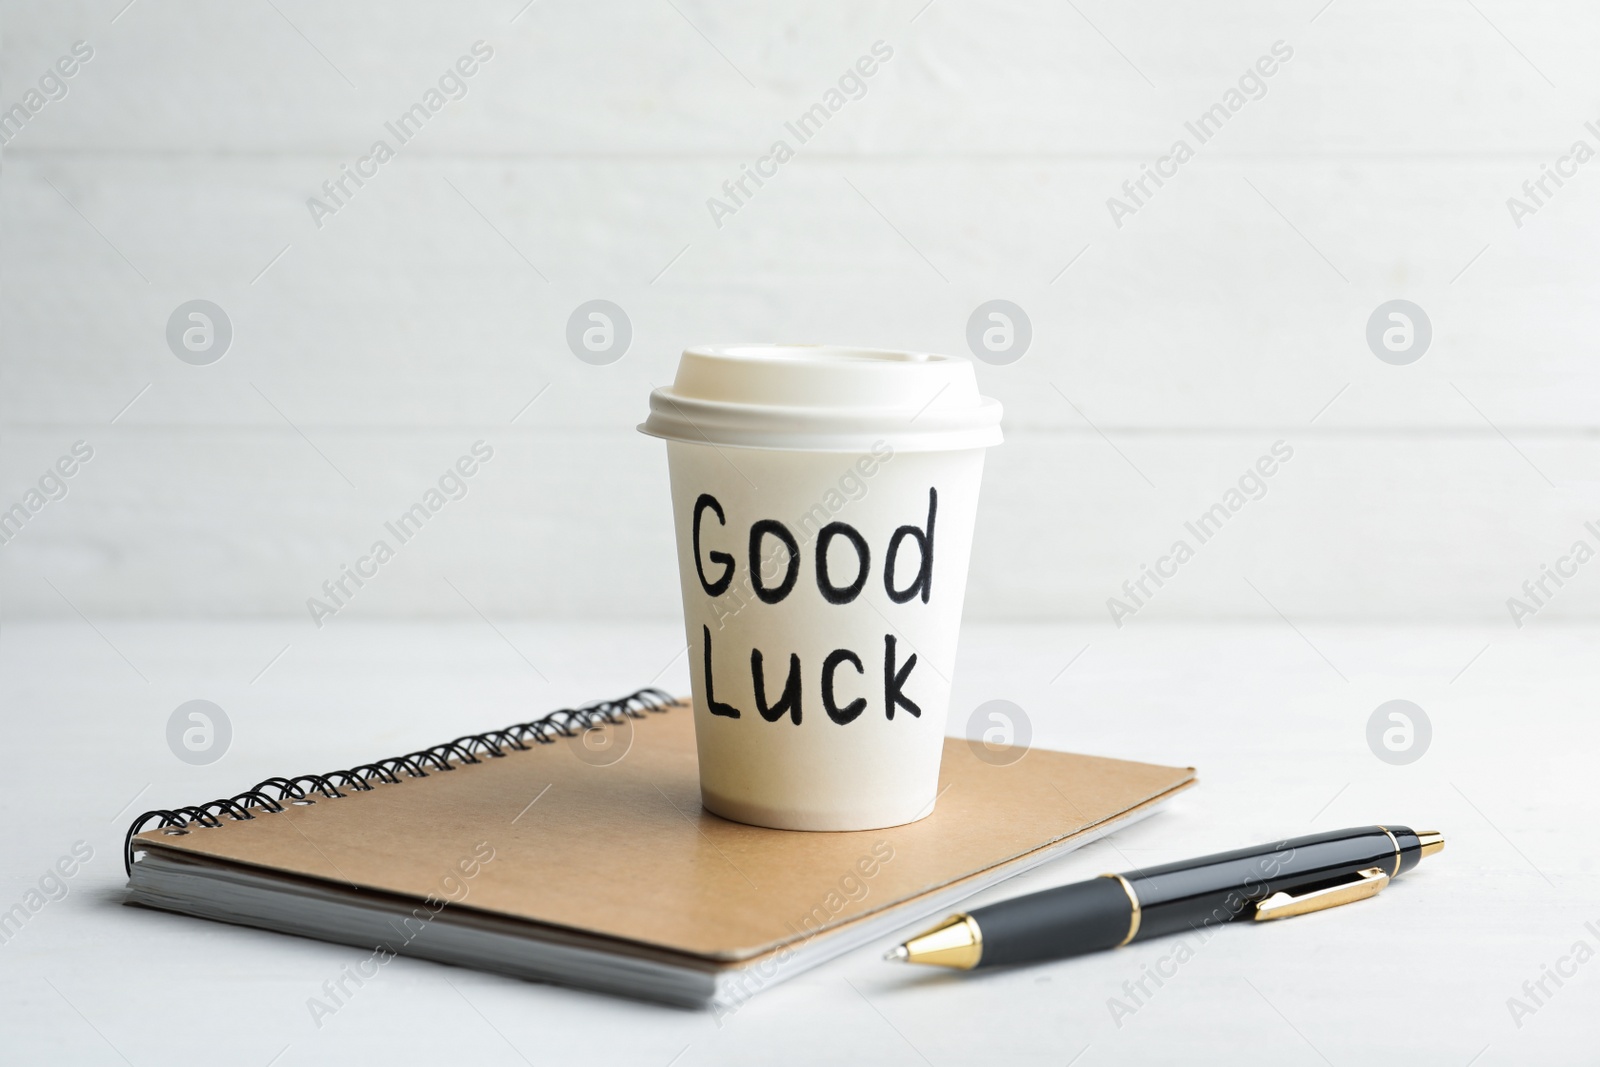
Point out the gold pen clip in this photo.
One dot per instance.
(1368, 883)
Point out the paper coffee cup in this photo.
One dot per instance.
(824, 501)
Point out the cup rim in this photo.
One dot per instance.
(822, 398)
(779, 350)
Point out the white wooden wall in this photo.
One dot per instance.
(1227, 314)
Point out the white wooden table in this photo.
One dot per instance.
(1275, 722)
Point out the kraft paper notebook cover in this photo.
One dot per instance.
(547, 866)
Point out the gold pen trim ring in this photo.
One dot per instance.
(1133, 898)
(1396, 843)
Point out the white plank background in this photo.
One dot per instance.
(1227, 314)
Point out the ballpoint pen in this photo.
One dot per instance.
(1265, 882)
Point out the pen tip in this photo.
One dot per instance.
(898, 954)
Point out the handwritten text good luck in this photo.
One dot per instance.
(839, 583)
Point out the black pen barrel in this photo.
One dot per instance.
(1197, 893)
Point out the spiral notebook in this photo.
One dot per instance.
(550, 852)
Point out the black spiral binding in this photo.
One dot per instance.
(567, 722)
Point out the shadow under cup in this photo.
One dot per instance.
(824, 502)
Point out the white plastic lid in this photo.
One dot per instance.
(823, 398)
